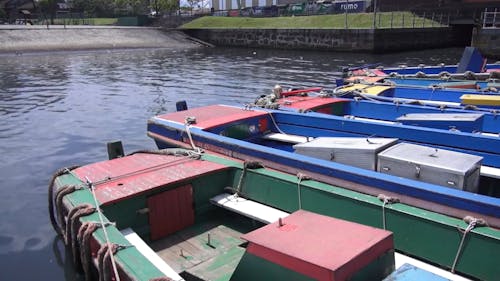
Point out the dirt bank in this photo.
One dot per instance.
(41, 38)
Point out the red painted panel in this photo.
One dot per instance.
(315, 245)
(308, 103)
(122, 178)
(170, 211)
(213, 115)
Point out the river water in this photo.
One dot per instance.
(60, 109)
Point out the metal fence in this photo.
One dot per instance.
(491, 19)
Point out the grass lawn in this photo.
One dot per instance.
(358, 20)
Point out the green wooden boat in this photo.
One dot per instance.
(179, 215)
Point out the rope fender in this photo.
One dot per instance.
(61, 221)
(72, 231)
(51, 187)
(84, 233)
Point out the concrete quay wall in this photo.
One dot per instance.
(487, 40)
(363, 40)
(59, 38)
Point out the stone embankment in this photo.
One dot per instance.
(15, 38)
(357, 40)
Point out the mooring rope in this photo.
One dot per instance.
(473, 222)
(300, 178)
(187, 125)
(57, 174)
(386, 200)
(101, 220)
(246, 165)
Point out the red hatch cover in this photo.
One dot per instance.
(308, 103)
(122, 178)
(321, 247)
(170, 211)
(213, 115)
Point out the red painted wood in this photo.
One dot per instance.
(308, 103)
(300, 91)
(126, 177)
(213, 115)
(318, 246)
(170, 211)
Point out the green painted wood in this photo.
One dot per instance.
(253, 268)
(416, 231)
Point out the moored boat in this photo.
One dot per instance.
(438, 96)
(270, 136)
(182, 215)
(385, 110)
(471, 65)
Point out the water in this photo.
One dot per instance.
(59, 109)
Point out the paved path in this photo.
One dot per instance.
(26, 38)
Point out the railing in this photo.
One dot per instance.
(491, 19)
(349, 20)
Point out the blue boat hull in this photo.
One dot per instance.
(167, 133)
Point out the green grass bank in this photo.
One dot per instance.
(339, 21)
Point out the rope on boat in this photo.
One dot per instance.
(301, 177)
(71, 230)
(246, 165)
(386, 200)
(104, 256)
(63, 191)
(57, 174)
(275, 124)
(101, 220)
(84, 234)
(187, 124)
(473, 222)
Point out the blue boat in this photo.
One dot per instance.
(438, 96)
(488, 85)
(273, 137)
(385, 110)
(471, 62)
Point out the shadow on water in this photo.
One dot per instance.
(59, 109)
(50, 263)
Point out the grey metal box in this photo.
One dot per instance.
(467, 122)
(427, 164)
(358, 152)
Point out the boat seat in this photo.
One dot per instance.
(287, 138)
(147, 252)
(248, 208)
(490, 172)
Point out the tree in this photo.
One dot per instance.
(161, 6)
(48, 7)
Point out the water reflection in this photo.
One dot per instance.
(59, 109)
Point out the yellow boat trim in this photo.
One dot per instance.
(481, 99)
(367, 89)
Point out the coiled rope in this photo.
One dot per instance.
(473, 222)
(386, 200)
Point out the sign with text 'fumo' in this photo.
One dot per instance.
(349, 6)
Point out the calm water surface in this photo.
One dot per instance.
(59, 109)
